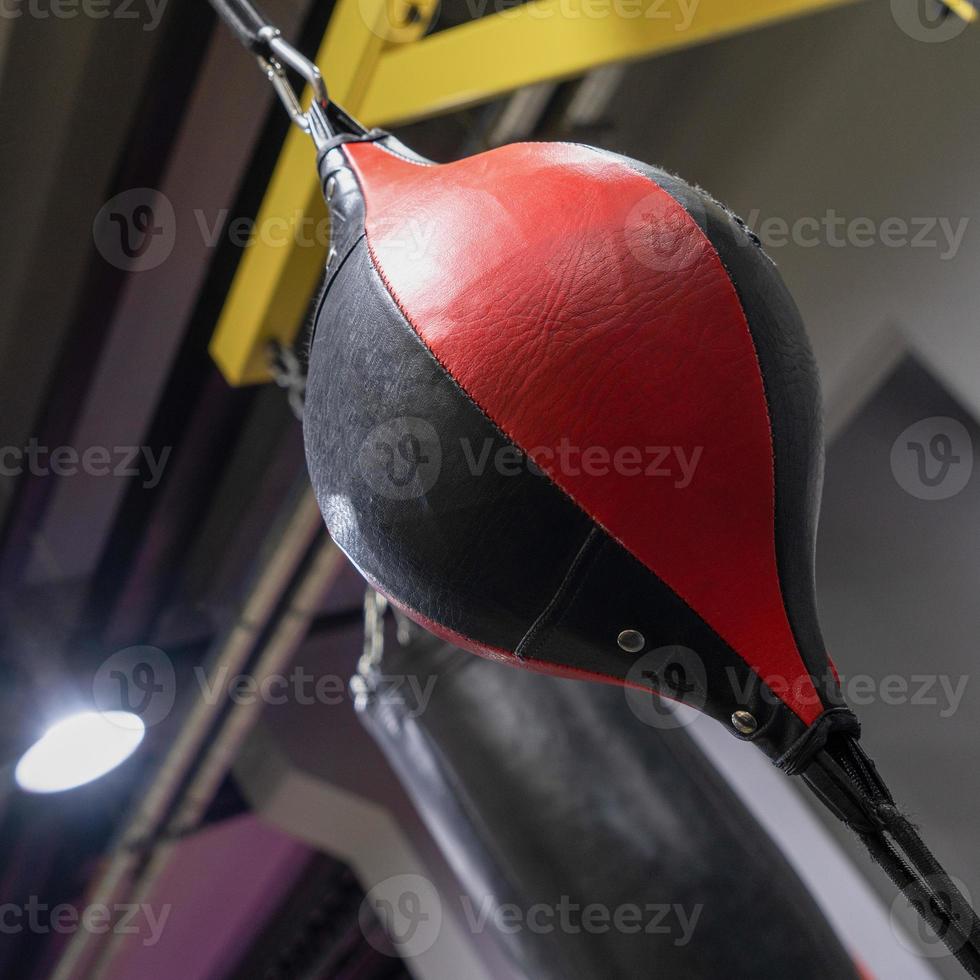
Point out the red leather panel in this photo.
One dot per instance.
(583, 310)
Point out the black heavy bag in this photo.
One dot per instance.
(637, 822)
(562, 411)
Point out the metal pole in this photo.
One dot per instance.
(290, 543)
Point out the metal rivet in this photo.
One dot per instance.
(631, 641)
(744, 722)
(331, 187)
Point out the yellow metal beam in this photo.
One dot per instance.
(378, 70)
(280, 267)
(552, 39)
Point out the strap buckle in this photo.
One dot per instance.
(281, 55)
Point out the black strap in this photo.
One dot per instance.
(847, 782)
(927, 901)
(799, 755)
(246, 20)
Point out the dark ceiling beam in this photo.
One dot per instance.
(65, 119)
(196, 418)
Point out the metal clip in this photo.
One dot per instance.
(281, 53)
(364, 682)
(375, 606)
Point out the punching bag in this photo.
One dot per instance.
(561, 410)
(637, 818)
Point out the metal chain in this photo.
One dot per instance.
(375, 606)
(289, 372)
(363, 682)
(313, 120)
(275, 55)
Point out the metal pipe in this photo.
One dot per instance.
(291, 628)
(287, 546)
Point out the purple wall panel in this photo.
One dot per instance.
(221, 886)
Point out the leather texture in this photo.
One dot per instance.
(636, 818)
(789, 374)
(607, 323)
(543, 299)
(538, 544)
(432, 547)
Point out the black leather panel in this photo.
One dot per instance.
(682, 658)
(611, 813)
(342, 191)
(419, 488)
(522, 581)
(407, 470)
(519, 581)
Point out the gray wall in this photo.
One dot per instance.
(842, 111)
(846, 113)
(898, 582)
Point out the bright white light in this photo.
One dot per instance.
(78, 749)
